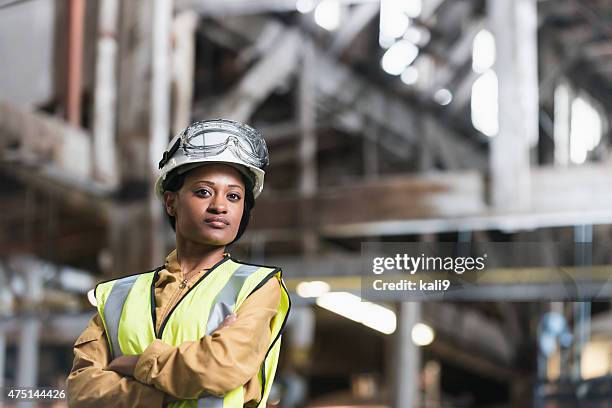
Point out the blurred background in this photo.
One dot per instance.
(386, 121)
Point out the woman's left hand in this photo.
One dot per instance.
(124, 365)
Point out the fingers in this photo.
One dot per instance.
(229, 320)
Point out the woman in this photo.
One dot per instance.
(204, 329)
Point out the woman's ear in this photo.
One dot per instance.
(170, 203)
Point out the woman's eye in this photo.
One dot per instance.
(202, 193)
(234, 197)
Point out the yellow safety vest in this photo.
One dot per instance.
(127, 309)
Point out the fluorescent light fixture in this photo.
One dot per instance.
(369, 314)
(327, 14)
(398, 57)
(413, 34)
(394, 25)
(393, 22)
(385, 42)
(304, 6)
(443, 96)
(410, 76)
(412, 8)
(483, 51)
(485, 104)
(422, 334)
(312, 289)
(585, 129)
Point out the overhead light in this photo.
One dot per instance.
(352, 307)
(422, 334)
(394, 25)
(443, 96)
(410, 76)
(483, 51)
(412, 8)
(305, 6)
(585, 129)
(485, 104)
(417, 35)
(312, 289)
(412, 34)
(398, 57)
(327, 14)
(385, 42)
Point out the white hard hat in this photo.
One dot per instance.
(216, 141)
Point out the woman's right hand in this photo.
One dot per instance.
(229, 320)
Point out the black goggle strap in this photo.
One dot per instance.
(169, 153)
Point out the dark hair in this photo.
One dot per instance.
(174, 182)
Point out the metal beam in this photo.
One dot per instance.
(308, 181)
(76, 21)
(458, 54)
(358, 19)
(222, 8)
(36, 140)
(269, 72)
(448, 202)
(339, 87)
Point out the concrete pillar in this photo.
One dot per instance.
(30, 326)
(27, 359)
(514, 25)
(407, 358)
(183, 61)
(308, 145)
(105, 96)
(159, 120)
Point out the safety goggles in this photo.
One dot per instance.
(211, 138)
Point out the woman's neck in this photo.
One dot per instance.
(193, 257)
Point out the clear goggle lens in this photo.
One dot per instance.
(212, 138)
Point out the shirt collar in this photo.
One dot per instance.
(172, 264)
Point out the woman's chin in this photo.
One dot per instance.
(215, 238)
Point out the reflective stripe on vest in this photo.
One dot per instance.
(113, 308)
(122, 317)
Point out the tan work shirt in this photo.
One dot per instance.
(215, 364)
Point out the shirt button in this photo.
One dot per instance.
(183, 284)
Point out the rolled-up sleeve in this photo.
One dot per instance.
(220, 362)
(90, 385)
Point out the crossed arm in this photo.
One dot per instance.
(215, 364)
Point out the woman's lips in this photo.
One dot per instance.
(217, 222)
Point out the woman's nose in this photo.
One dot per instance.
(218, 205)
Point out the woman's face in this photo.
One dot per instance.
(208, 207)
